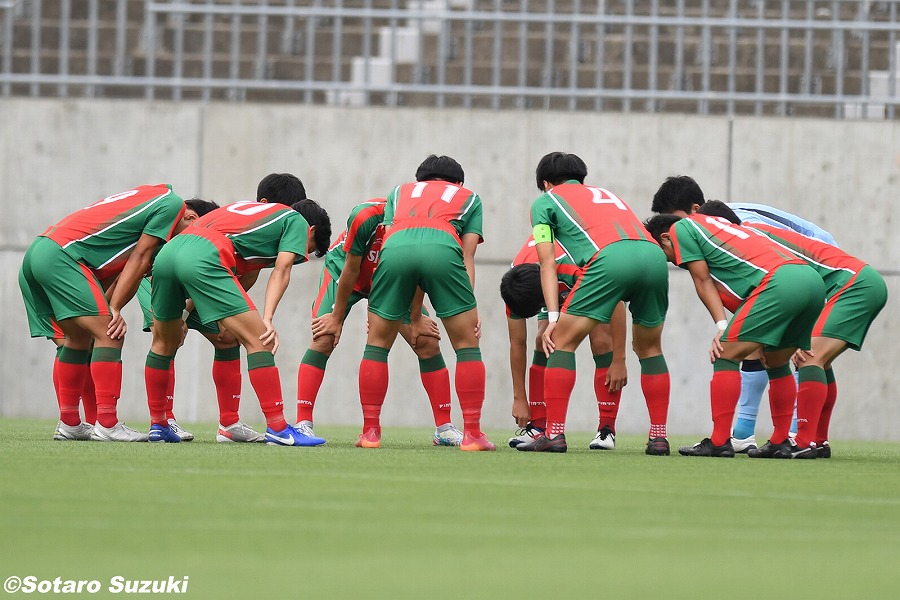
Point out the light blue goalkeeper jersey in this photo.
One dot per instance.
(760, 213)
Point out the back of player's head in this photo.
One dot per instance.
(660, 224)
(281, 188)
(717, 208)
(316, 216)
(443, 168)
(520, 288)
(559, 167)
(677, 193)
(201, 207)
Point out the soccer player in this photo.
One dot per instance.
(619, 262)
(780, 299)
(214, 263)
(346, 279)
(682, 196)
(61, 275)
(433, 227)
(520, 288)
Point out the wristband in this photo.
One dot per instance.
(722, 325)
(553, 316)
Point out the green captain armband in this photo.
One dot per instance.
(542, 233)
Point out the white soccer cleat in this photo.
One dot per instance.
(306, 428)
(119, 433)
(604, 440)
(447, 435)
(71, 433)
(239, 432)
(526, 435)
(744, 445)
(186, 436)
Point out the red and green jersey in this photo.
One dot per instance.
(258, 231)
(835, 266)
(566, 272)
(436, 205)
(103, 235)
(584, 219)
(363, 237)
(738, 258)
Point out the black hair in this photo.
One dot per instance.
(316, 215)
(717, 208)
(520, 288)
(558, 167)
(677, 193)
(660, 224)
(281, 188)
(200, 206)
(443, 168)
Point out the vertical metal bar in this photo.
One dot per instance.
(287, 33)
(784, 59)
(865, 88)
(732, 58)
(337, 59)
(838, 57)
(574, 43)
(7, 46)
(601, 55)
(262, 42)
(34, 89)
(628, 59)
(65, 24)
(893, 61)
(178, 53)
(470, 58)
(443, 40)
(89, 90)
(808, 49)
(760, 57)
(548, 52)
(310, 54)
(208, 43)
(653, 58)
(234, 71)
(497, 53)
(121, 37)
(679, 48)
(367, 47)
(150, 45)
(705, 59)
(523, 52)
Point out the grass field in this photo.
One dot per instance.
(413, 521)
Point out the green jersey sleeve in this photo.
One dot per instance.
(294, 236)
(543, 212)
(685, 238)
(163, 217)
(474, 219)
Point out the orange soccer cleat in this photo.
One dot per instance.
(370, 438)
(472, 443)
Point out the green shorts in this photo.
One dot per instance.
(849, 313)
(56, 286)
(193, 321)
(781, 311)
(631, 270)
(413, 258)
(191, 266)
(324, 302)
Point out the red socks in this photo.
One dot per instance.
(559, 380)
(157, 378)
(655, 384)
(782, 396)
(226, 374)
(309, 380)
(827, 409)
(373, 385)
(470, 379)
(70, 369)
(811, 397)
(106, 369)
(724, 391)
(266, 383)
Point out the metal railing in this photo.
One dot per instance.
(833, 58)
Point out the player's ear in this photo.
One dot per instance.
(263, 200)
(694, 208)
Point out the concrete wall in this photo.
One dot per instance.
(57, 156)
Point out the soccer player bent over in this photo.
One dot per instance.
(346, 279)
(60, 278)
(780, 299)
(433, 225)
(619, 262)
(204, 265)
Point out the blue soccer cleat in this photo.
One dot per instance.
(291, 437)
(163, 433)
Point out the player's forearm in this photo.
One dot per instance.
(619, 329)
(346, 282)
(415, 308)
(129, 279)
(518, 367)
(706, 290)
(278, 283)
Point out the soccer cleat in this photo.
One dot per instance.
(163, 433)
(291, 437)
(369, 438)
(306, 428)
(527, 434)
(604, 440)
(118, 433)
(705, 447)
(447, 435)
(546, 444)
(742, 445)
(657, 447)
(186, 436)
(808, 452)
(239, 432)
(71, 433)
(471, 443)
(823, 450)
(770, 450)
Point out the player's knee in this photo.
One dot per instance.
(427, 347)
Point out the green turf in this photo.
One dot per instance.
(413, 521)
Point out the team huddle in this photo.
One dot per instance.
(794, 296)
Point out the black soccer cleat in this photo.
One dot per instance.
(705, 447)
(545, 444)
(808, 452)
(770, 450)
(657, 447)
(824, 451)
